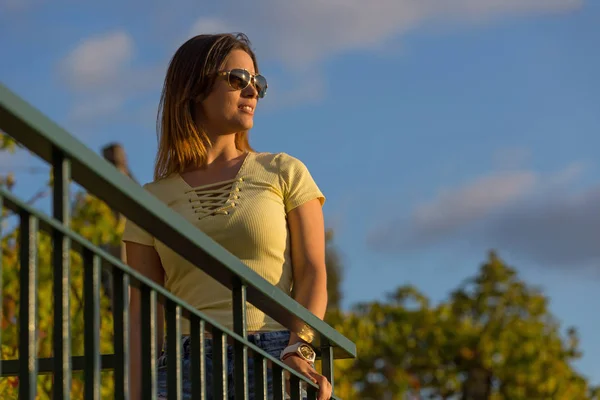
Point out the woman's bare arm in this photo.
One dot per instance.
(307, 230)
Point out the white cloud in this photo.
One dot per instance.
(98, 60)
(537, 217)
(562, 230)
(308, 31)
(452, 210)
(103, 79)
(302, 34)
(456, 207)
(566, 176)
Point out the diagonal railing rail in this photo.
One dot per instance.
(73, 161)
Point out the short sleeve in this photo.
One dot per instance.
(133, 233)
(298, 185)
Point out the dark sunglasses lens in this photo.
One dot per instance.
(239, 79)
(261, 85)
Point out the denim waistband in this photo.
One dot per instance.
(264, 340)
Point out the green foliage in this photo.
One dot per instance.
(494, 338)
(95, 221)
(7, 143)
(334, 273)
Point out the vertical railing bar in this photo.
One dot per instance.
(278, 383)
(219, 347)
(1, 281)
(148, 345)
(327, 363)
(173, 350)
(61, 271)
(198, 364)
(91, 315)
(121, 333)
(28, 324)
(260, 376)
(295, 388)
(311, 393)
(240, 350)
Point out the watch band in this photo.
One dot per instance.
(303, 350)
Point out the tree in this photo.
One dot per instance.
(7, 143)
(94, 220)
(334, 272)
(493, 339)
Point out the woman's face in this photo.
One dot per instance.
(227, 110)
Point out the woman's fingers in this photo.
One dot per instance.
(309, 372)
(310, 377)
(324, 386)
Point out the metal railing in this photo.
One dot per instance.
(72, 161)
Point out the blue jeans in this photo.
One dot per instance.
(271, 342)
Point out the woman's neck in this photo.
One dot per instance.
(222, 150)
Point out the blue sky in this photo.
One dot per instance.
(437, 130)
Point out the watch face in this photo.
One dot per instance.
(307, 352)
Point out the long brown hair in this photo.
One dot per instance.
(190, 78)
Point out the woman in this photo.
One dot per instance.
(264, 208)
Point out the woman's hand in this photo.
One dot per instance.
(304, 368)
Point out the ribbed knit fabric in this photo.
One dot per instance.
(245, 215)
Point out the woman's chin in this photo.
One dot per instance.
(240, 124)
(246, 124)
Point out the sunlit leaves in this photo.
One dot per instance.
(92, 219)
(493, 334)
(7, 142)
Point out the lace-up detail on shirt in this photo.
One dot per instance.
(215, 199)
(254, 230)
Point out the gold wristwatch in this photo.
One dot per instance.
(303, 350)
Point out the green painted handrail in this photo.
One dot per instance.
(42, 136)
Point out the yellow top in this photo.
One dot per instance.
(247, 216)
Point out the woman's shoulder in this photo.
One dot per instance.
(164, 188)
(277, 161)
(287, 170)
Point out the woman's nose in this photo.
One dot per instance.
(250, 90)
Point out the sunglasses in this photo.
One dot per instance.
(239, 79)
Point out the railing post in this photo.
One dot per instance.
(197, 364)
(70, 158)
(240, 351)
(91, 313)
(28, 308)
(327, 363)
(278, 383)
(295, 388)
(260, 376)
(148, 345)
(121, 332)
(174, 375)
(61, 258)
(1, 283)
(219, 347)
